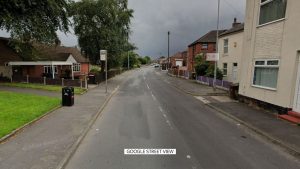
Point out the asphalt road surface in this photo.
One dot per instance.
(147, 112)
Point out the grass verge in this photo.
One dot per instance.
(77, 90)
(19, 109)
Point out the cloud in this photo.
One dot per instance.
(186, 19)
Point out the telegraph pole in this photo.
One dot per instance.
(217, 46)
(168, 50)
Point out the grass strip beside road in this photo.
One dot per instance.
(54, 88)
(18, 109)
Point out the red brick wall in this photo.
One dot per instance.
(198, 49)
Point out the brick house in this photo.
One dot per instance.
(6, 55)
(53, 62)
(205, 44)
(179, 60)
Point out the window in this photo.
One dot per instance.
(271, 10)
(204, 46)
(235, 64)
(225, 45)
(225, 69)
(48, 69)
(266, 73)
(76, 67)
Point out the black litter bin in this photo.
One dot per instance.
(68, 96)
(92, 79)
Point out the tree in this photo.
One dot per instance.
(102, 24)
(204, 68)
(34, 20)
(133, 60)
(148, 59)
(201, 65)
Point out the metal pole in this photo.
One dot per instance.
(217, 47)
(128, 64)
(168, 50)
(106, 74)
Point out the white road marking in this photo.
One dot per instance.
(202, 99)
(188, 156)
(160, 109)
(167, 81)
(154, 98)
(148, 86)
(165, 116)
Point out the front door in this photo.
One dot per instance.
(234, 72)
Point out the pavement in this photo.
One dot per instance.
(44, 144)
(191, 86)
(148, 112)
(265, 123)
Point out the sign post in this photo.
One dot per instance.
(103, 57)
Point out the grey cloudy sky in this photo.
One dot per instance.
(186, 19)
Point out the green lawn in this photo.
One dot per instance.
(18, 109)
(78, 90)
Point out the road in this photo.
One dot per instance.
(147, 112)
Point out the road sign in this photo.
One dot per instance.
(103, 55)
(212, 56)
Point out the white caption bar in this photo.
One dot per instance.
(150, 151)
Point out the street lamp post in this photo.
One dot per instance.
(217, 46)
(128, 64)
(168, 50)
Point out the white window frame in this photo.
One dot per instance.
(204, 48)
(265, 66)
(226, 46)
(76, 67)
(267, 23)
(50, 68)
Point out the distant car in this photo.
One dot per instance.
(156, 66)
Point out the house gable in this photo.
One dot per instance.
(71, 59)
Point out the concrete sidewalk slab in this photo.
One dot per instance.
(191, 86)
(45, 143)
(284, 133)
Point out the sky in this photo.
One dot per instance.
(187, 20)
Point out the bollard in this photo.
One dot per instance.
(27, 78)
(44, 80)
(62, 82)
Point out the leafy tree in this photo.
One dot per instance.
(211, 70)
(102, 24)
(34, 20)
(133, 60)
(201, 65)
(148, 59)
(142, 60)
(204, 68)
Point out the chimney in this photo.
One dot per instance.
(235, 23)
